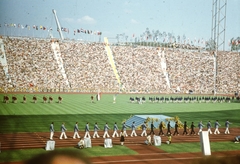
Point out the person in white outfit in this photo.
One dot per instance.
(124, 129)
(63, 129)
(227, 127)
(96, 128)
(133, 129)
(200, 126)
(114, 98)
(115, 128)
(87, 131)
(144, 128)
(76, 131)
(51, 131)
(209, 126)
(216, 127)
(81, 143)
(106, 128)
(149, 140)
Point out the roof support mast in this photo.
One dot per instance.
(58, 24)
(219, 8)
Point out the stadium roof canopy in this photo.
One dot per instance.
(139, 120)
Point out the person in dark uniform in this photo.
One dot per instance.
(44, 99)
(60, 99)
(122, 139)
(176, 128)
(24, 99)
(92, 99)
(169, 128)
(152, 127)
(34, 99)
(192, 129)
(14, 99)
(185, 128)
(50, 99)
(161, 128)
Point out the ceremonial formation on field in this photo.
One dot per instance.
(156, 79)
(74, 94)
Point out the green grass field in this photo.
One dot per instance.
(31, 117)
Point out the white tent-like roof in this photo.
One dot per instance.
(139, 120)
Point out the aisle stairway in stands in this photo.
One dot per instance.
(58, 58)
(3, 60)
(111, 60)
(161, 54)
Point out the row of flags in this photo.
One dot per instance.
(174, 40)
(64, 29)
(87, 32)
(26, 26)
(234, 42)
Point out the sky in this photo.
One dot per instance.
(192, 18)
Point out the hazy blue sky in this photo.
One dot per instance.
(190, 17)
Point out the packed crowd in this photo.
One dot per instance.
(87, 65)
(139, 68)
(31, 62)
(228, 72)
(190, 71)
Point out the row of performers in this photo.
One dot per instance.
(182, 99)
(49, 99)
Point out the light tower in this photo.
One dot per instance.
(219, 8)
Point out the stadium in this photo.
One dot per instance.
(153, 78)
